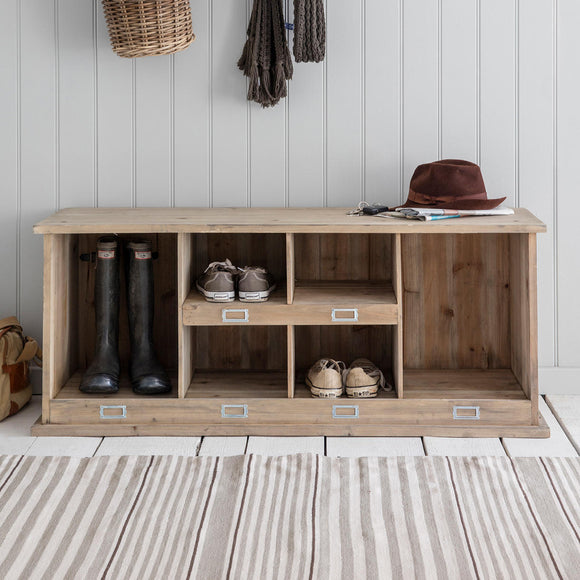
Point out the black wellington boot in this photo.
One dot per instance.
(102, 376)
(147, 375)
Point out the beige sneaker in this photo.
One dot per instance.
(217, 284)
(255, 284)
(363, 379)
(325, 378)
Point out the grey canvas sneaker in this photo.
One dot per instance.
(255, 284)
(217, 284)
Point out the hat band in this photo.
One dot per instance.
(418, 197)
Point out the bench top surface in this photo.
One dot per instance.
(272, 220)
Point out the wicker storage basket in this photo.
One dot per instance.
(148, 27)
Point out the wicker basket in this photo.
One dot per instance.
(148, 27)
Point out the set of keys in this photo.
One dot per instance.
(366, 208)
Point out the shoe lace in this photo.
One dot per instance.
(371, 369)
(329, 363)
(226, 266)
(247, 269)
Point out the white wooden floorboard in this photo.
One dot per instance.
(149, 446)
(373, 446)
(285, 445)
(471, 447)
(15, 438)
(223, 446)
(69, 446)
(557, 445)
(566, 409)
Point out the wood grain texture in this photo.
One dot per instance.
(289, 430)
(456, 301)
(287, 220)
(185, 337)
(398, 342)
(524, 313)
(291, 361)
(314, 303)
(290, 268)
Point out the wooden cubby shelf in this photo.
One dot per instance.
(447, 309)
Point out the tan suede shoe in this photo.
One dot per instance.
(325, 378)
(363, 379)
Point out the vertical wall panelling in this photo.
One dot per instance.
(536, 151)
(115, 179)
(498, 98)
(230, 108)
(267, 151)
(192, 113)
(9, 161)
(421, 88)
(76, 103)
(38, 147)
(267, 155)
(306, 133)
(568, 160)
(154, 131)
(382, 92)
(459, 76)
(345, 132)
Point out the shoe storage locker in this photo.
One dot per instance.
(447, 309)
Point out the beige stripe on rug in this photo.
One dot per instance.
(292, 517)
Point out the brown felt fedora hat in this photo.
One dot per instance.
(450, 184)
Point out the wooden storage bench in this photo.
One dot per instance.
(448, 307)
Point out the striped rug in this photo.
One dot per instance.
(300, 516)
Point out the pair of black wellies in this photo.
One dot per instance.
(147, 375)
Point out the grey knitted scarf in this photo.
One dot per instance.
(309, 30)
(266, 59)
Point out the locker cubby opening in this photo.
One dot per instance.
(263, 250)
(76, 307)
(343, 343)
(329, 265)
(464, 304)
(239, 362)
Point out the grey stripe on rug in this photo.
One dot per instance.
(292, 517)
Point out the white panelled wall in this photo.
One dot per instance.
(404, 82)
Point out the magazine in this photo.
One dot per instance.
(432, 214)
